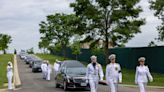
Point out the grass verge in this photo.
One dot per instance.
(3, 64)
(50, 58)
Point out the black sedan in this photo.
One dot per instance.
(72, 75)
(31, 61)
(36, 66)
(28, 59)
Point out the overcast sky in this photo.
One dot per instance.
(20, 19)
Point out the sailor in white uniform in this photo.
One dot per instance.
(44, 69)
(48, 71)
(9, 75)
(113, 73)
(56, 68)
(94, 71)
(142, 74)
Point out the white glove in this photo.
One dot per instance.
(151, 80)
(101, 79)
(120, 80)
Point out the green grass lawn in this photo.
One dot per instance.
(128, 75)
(50, 58)
(3, 64)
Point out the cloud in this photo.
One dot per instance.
(149, 31)
(20, 19)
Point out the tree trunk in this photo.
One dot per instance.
(44, 50)
(4, 51)
(76, 56)
(106, 46)
(64, 50)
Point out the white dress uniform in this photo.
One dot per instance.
(56, 69)
(48, 72)
(113, 76)
(93, 75)
(141, 77)
(44, 70)
(9, 76)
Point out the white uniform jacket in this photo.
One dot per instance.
(113, 73)
(44, 67)
(56, 66)
(94, 73)
(142, 74)
(9, 71)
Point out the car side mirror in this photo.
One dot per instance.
(62, 72)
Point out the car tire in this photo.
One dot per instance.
(65, 86)
(57, 85)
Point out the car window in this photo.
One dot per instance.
(63, 70)
(76, 71)
(38, 62)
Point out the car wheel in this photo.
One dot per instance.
(57, 85)
(65, 86)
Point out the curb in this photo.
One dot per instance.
(132, 86)
(3, 90)
(17, 82)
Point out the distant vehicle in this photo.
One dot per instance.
(28, 59)
(71, 75)
(22, 56)
(31, 61)
(36, 66)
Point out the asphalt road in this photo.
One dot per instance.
(33, 82)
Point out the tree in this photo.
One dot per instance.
(15, 51)
(30, 51)
(158, 6)
(76, 49)
(113, 21)
(5, 40)
(58, 29)
(152, 44)
(44, 44)
(57, 47)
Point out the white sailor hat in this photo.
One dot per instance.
(93, 57)
(112, 56)
(142, 59)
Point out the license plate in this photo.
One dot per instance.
(83, 84)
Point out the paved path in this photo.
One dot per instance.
(33, 82)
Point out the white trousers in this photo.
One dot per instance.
(48, 75)
(9, 77)
(44, 73)
(142, 86)
(93, 84)
(113, 86)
